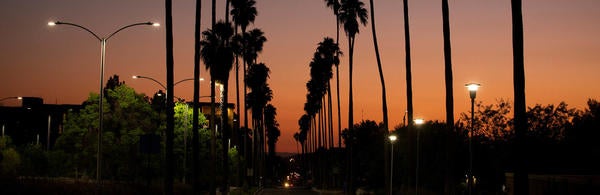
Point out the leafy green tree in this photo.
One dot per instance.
(183, 130)
(127, 118)
(10, 159)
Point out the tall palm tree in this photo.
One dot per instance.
(335, 6)
(243, 13)
(383, 92)
(169, 156)
(449, 97)
(260, 94)
(272, 133)
(521, 178)
(349, 15)
(217, 54)
(196, 114)
(409, 100)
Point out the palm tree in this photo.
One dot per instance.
(273, 133)
(196, 114)
(217, 54)
(449, 97)
(409, 100)
(243, 13)
(383, 92)
(521, 178)
(350, 13)
(335, 6)
(169, 156)
(257, 99)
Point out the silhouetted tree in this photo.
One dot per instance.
(260, 94)
(243, 13)
(335, 6)
(521, 178)
(349, 15)
(218, 58)
(449, 97)
(196, 101)
(170, 166)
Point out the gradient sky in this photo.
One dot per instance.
(61, 63)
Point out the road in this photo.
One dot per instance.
(297, 191)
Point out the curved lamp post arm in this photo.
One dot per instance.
(190, 79)
(7, 98)
(136, 24)
(150, 78)
(75, 25)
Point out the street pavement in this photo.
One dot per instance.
(294, 190)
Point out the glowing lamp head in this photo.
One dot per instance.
(473, 87)
(51, 23)
(155, 24)
(419, 121)
(392, 138)
(135, 77)
(19, 98)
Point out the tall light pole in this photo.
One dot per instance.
(418, 122)
(392, 140)
(472, 87)
(101, 92)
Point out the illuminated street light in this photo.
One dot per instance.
(392, 139)
(101, 93)
(472, 87)
(418, 122)
(162, 85)
(8, 98)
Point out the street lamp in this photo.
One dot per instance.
(102, 62)
(418, 122)
(8, 98)
(392, 138)
(472, 87)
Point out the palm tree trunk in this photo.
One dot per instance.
(521, 177)
(170, 158)
(214, 13)
(330, 111)
(225, 134)
(337, 79)
(409, 100)
(449, 182)
(383, 93)
(350, 99)
(196, 114)
(213, 137)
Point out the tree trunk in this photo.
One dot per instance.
(409, 100)
(383, 96)
(213, 138)
(170, 160)
(521, 177)
(225, 134)
(449, 181)
(196, 114)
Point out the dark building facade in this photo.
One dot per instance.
(34, 122)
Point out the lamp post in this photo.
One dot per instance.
(472, 87)
(102, 62)
(392, 140)
(9, 98)
(418, 121)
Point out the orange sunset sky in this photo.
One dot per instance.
(61, 63)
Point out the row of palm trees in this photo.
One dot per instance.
(219, 47)
(350, 14)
